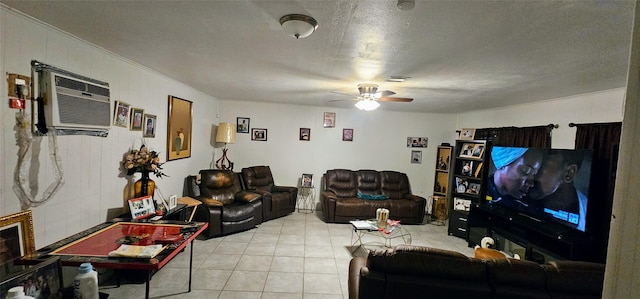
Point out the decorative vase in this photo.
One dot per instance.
(144, 186)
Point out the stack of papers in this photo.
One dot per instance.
(363, 224)
(134, 251)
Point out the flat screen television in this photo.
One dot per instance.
(541, 184)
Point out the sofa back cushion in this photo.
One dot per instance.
(512, 278)
(258, 178)
(368, 181)
(394, 184)
(574, 279)
(221, 185)
(420, 272)
(342, 182)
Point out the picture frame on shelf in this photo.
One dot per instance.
(179, 132)
(329, 120)
(467, 134)
(466, 168)
(16, 233)
(149, 126)
(242, 125)
(416, 157)
(305, 134)
(259, 134)
(473, 188)
(461, 185)
(121, 114)
(307, 180)
(49, 270)
(466, 150)
(347, 134)
(461, 204)
(478, 151)
(137, 115)
(141, 207)
(417, 141)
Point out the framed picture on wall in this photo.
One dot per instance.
(179, 128)
(121, 114)
(467, 134)
(329, 120)
(259, 134)
(136, 119)
(305, 134)
(242, 125)
(149, 126)
(416, 157)
(347, 134)
(417, 141)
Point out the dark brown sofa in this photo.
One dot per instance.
(422, 272)
(226, 207)
(277, 201)
(340, 201)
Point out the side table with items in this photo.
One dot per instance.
(383, 235)
(306, 194)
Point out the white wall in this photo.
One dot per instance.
(379, 141)
(597, 107)
(93, 182)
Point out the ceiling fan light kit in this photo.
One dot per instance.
(298, 25)
(367, 105)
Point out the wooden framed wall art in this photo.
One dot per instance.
(17, 240)
(179, 128)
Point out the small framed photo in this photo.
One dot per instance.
(417, 141)
(467, 134)
(307, 180)
(347, 134)
(141, 207)
(474, 188)
(305, 134)
(478, 151)
(466, 168)
(149, 126)
(467, 150)
(173, 201)
(416, 157)
(16, 240)
(329, 119)
(461, 204)
(121, 114)
(242, 125)
(259, 134)
(461, 185)
(47, 273)
(136, 119)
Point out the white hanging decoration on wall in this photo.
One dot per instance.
(24, 140)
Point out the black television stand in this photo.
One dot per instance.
(538, 238)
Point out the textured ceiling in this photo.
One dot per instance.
(459, 55)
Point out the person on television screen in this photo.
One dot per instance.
(554, 188)
(514, 176)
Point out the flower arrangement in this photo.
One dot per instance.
(143, 160)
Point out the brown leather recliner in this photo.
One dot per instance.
(277, 201)
(226, 207)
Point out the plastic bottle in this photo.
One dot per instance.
(85, 284)
(17, 293)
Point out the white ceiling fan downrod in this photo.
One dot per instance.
(24, 139)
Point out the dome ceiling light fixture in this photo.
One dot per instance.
(298, 25)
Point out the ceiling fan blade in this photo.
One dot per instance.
(406, 100)
(386, 93)
(344, 94)
(333, 101)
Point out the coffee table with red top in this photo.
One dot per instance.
(94, 244)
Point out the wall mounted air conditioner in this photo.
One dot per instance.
(75, 102)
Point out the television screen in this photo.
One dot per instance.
(544, 184)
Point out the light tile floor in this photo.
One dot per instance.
(297, 256)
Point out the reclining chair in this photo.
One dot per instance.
(226, 207)
(277, 201)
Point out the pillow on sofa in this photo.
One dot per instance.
(371, 196)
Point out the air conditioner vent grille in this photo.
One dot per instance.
(73, 110)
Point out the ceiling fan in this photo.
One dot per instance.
(369, 97)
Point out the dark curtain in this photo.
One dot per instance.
(539, 136)
(604, 140)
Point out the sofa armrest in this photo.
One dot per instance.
(287, 189)
(415, 198)
(246, 196)
(355, 265)
(210, 202)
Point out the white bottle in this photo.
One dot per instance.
(85, 284)
(17, 293)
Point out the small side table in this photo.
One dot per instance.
(191, 203)
(306, 199)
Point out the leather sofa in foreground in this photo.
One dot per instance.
(422, 272)
(348, 195)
